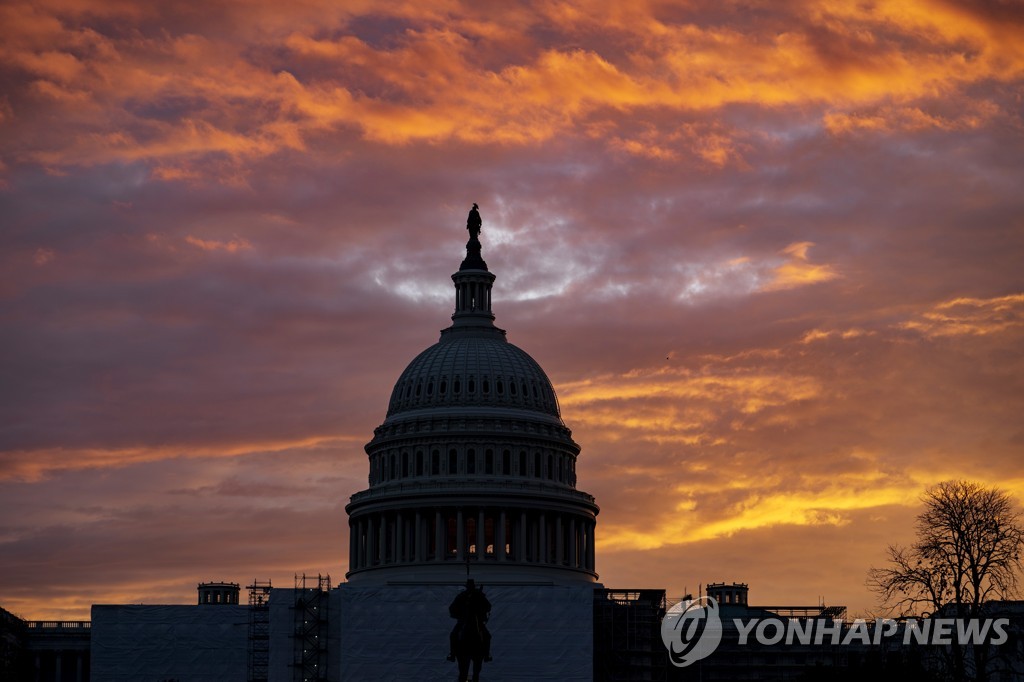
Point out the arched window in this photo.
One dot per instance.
(419, 462)
(435, 463)
(536, 465)
(489, 462)
(506, 462)
(471, 461)
(453, 462)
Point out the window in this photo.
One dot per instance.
(453, 462)
(435, 463)
(457, 387)
(471, 461)
(506, 462)
(536, 465)
(419, 462)
(489, 462)
(522, 463)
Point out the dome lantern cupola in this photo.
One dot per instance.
(473, 284)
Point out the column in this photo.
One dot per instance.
(382, 538)
(420, 538)
(481, 536)
(438, 537)
(460, 535)
(371, 541)
(399, 538)
(542, 540)
(523, 539)
(367, 545)
(499, 537)
(559, 540)
(590, 546)
(574, 544)
(352, 528)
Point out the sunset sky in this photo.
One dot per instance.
(771, 255)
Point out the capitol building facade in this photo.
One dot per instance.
(472, 474)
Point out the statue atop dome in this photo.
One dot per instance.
(473, 222)
(473, 261)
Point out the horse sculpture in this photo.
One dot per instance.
(470, 640)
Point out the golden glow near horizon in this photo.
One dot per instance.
(769, 258)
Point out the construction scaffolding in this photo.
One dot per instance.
(312, 611)
(627, 635)
(259, 632)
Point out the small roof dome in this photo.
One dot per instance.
(473, 371)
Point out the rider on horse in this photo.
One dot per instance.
(470, 606)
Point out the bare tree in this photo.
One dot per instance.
(967, 552)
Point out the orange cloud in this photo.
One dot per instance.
(34, 465)
(430, 83)
(799, 271)
(232, 246)
(970, 316)
(694, 512)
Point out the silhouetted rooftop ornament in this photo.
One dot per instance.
(474, 223)
(473, 261)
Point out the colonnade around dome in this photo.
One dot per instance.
(479, 534)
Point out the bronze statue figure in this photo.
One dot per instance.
(474, 224)
(470, 640)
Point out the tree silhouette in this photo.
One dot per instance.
(967, 552)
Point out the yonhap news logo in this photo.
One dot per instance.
(691, 630)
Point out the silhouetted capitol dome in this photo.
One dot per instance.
(472, 464)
